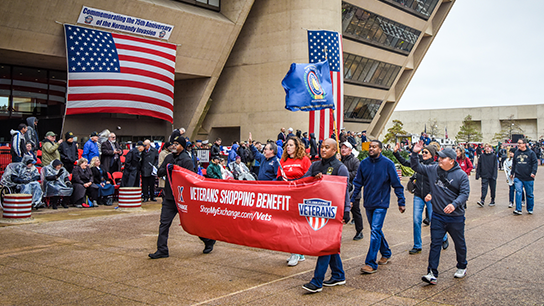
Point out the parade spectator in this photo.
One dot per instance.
(507, 166)
(216, 148)
(487, 171)
(31, 134)
(377, 174)
(50, 148)
(169, 210)
(29, 151)
(363, 136)
(240, 171)
(25, 175)
(18, 143)
(256, 164)
(524, 168)
(68, 152)
(57, 184)
(305, 140)
(214, 169)
(294, 164)
(463, 161)
(281, 135)
(352, 164)
(110, 160)
(165, 150)
(450, 189)
(150, 160)
(243, 153)
(90, 149)
(289, 134)
(133, 164)
(351, 139)
(502, 154)
(225, 173)
(269, 163)
(103, 182)
(233, 152)
(314, 152)
(279, 145)
(329, 165)
(422, 189)
(82, 180)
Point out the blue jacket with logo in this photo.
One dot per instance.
(90, 150)
(377, 176)
(268, 170)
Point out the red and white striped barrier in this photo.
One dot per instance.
(399, 173)
(17, 206)
(130, 197)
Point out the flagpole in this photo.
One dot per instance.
(332, 109)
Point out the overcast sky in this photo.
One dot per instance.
(487, 53)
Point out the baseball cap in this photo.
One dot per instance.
(447, 153)
(69, 135)
(347, 144)
(94, 134)
(50, 133)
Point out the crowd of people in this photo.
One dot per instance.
(440, 185)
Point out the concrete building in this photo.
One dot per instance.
(486, 120)
(231, 57)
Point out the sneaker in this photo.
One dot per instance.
(332, 282)
(481, 203)
(429, 278)
(492, 203)
(293, 260)
(445, 244)
(517, 212)
(522, 203)
(414, 251)
(530, 212)
(366, 269)
(301, 258)
(383, 261)
(312, 288)
(510, 205)
(460, 273)
(359, 236)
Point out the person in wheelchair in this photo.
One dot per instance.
(240, 170)
(101, 179)
(23, 177)
(57, 184)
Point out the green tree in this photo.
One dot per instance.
(468, 132)
(394, 131)
(508, 127)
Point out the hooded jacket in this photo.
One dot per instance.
(313, 146)
(233, 153)
(31, 134)
(90, 150)
(377, 175)
(455, 191)
(18, 146)
(279, 143)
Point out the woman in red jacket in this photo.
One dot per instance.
(294, 164)
(463, 161)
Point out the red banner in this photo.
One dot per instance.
(302, 217)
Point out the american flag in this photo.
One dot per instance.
(328, 45)
(116, 73)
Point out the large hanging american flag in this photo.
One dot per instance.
(328, 45)
(116, 73)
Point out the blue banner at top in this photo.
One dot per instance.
(308, 87)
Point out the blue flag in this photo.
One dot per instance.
(308, 87)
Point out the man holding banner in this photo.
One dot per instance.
(328, 165)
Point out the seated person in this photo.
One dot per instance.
(225, 173)
(26, 177)
(101, 179)
(57, 184)
(240, 170)
(82, 179)
(214, 169)
(29, 151)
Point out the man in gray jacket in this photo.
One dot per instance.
(450, 189)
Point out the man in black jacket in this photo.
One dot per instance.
(110, 160)
(150, 159)
(352, 163)
(487, 170)
(216, 148)
(169, 210)
(131, 174)
(68, 152)
(524, 167)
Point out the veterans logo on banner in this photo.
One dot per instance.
(302, 217)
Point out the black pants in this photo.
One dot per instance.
(148, 187)
(54, 201)
(492, 186)
(168, 212)
(439, 227)
(357, 217)
(68, 166)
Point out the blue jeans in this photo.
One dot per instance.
(455, 226)
(419, 205)
(337, 271)
(511, 193)
(376, 217)
(528, 186)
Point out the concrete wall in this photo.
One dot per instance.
(487, 120)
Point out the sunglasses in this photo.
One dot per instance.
(425, 152)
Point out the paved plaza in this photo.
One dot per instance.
(98, 256)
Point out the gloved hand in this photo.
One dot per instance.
(68, 184)
(170, 167)
(60, 172)
(346, 217)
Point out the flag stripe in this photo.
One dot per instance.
(118, 83)
(122, 77)
(146, 61)
(119, 110)
(171, 47)
(121, 97)
(106, 90)
(146, 50)
(160, 59)
(119, 104)
(143, 72)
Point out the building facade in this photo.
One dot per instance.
(520, 119)
(230, 60)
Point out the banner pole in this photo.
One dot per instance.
(336, 132)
